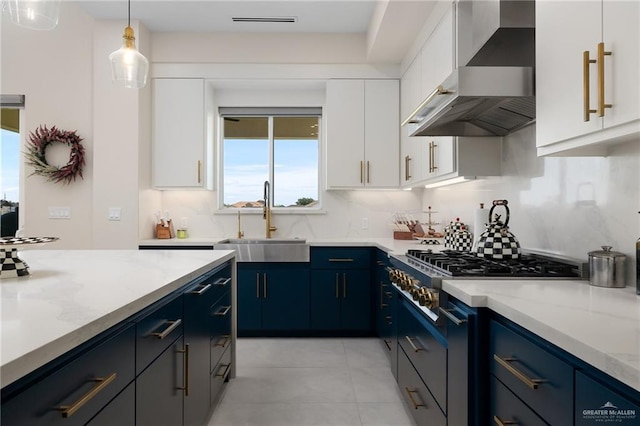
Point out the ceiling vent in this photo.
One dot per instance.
(275, 20)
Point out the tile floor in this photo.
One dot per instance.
(311, 381)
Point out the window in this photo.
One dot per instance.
(10, 166)
(279, 145)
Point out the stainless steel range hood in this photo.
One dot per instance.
(494, 93)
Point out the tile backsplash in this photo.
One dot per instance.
(564, 205)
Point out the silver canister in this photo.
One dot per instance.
(607, 268)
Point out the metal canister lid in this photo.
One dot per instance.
(606, 253)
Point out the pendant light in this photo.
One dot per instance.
(33, 14)
(128, 66)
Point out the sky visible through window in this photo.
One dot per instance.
(9, 165)
(246, 167)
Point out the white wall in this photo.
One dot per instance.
(565, 205)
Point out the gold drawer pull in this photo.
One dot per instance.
(601, 104)
(199, 171)
(499, 422)
(221, 282)
(586, 79)
(224, 339)
(448, 313)
(223, 311)
(415, 348)
(203, 290)
(346, 259)
(532, 383)
(101, 383)
(172, 326)
(226, 370)
(410, 393)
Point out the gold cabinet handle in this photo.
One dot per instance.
(226, 370)
(586, 61)
(500, 422)
(346, 259)
(223, 311)
(448, 313)
(505, 362)
(388, 318)
(435, 167)
(199, 171)
(411, 119)
(172, 326)
(202, 290)
(101, 383)
(387, 343)
(410, 393)
(431, 157)
(362, 172)
(224, 339)
(264, 285)
(382, 304)
(368, 172)
(413, 346)
(222, 282)
(407, 166)
(337, 283)
(257, 285)
(185, 351)
(344, 285)
(601, 54)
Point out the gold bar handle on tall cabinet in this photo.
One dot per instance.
(505, 362)
(257, 285)
(199, 171)
(585, 84)
(368, 172)
(101, 383)
(185, 351)
(601, 54)
(344, 285)
(337, 283)
(435, 145)
(431, 157)
(264, 285)
(407, 164)
(362, 172)
(172, 325)
(500, 422)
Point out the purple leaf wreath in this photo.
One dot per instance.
(36, 149)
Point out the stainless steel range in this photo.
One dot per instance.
(419, 273)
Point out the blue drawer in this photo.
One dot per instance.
(538, 377)
(156, 331)
(506, 407)
(340, 258)
(220, 313)
(596, 404)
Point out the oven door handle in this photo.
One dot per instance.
(447, 313)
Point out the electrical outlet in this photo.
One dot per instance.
(365, 223)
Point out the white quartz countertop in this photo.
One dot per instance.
(74, 295)
(601, 326)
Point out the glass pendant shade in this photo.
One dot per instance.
(128, 66)
(34, 14)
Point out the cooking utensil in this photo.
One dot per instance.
(607, 268)
(496, 242)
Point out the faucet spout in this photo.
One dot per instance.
(266, 210)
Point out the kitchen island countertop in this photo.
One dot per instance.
(74, 295)
(601, 326)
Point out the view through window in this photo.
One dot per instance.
(10, 175)
(280, 149)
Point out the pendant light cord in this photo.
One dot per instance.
(129, 13)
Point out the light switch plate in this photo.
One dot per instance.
(59, 212)
(115, 213)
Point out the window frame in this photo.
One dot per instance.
(221, 208)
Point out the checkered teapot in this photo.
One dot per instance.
(496, 242)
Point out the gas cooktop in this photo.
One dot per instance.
(452, 263)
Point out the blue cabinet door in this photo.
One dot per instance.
(597, 404)
(249, 298)
(325, 299)
(355, 305)
(285, 298)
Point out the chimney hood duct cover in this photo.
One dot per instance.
(494, 93)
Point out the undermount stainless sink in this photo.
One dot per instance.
(266, 249)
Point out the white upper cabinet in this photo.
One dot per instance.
(439, 157)
(573, 86)
(437, 55)
(411, 159)
(410, 89)
(362, 134)
(180, 148)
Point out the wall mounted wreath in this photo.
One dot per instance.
(37, 147)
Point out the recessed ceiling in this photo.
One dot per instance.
(311, 16)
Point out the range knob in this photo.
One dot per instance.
(428, 298)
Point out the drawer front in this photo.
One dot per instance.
(520, 364)
(156, 331)
(426, 353)
(220, 314)
(507, 409)
(423, 407)
(340, 258)
(206, 291)
(220, 375)
(83, 386)
(121, 411)
(597, 404)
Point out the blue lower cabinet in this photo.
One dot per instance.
(121, 410)
(507, 409)
(341, 300)
(273, 297)
(597, 403)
